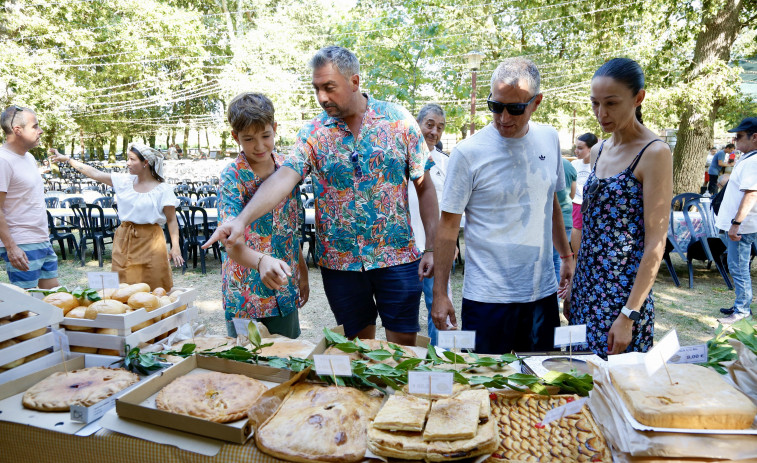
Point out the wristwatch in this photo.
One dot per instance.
(734, 222)
(632, 314)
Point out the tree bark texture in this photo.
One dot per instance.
(695, 132)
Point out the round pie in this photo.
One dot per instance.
(213, 396)
(87, 386)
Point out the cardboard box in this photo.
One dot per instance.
(124, 324)
(69, 422)
(139, 404)
(48, 316)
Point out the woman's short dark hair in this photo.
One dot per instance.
(589, 138)
(626, 71)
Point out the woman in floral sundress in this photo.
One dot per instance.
(625, 210)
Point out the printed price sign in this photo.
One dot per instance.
(429, 382)
(102, 280)
(570, 335)
(332, 365)
(661, 352)
(457, 339)
(240, 325)
(558, 413)
(690, 354)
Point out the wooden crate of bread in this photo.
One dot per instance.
(107, 326)
(522, 438)
(27, 344)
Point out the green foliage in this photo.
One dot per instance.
(720, 351)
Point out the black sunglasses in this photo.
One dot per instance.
(514, 109)
(18, 110)
(356, 164)
(593, 192)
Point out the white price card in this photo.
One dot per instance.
(61, 340)
(240, 325)
(454, 339)
(332, 365)
(570, 335)
(628, 358)
(429, 382)
(661, 352)
(102, 280)
(690, 354)
(561, 412)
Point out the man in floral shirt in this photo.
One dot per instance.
(361, 152)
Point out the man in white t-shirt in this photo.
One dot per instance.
(737, 217)
(432, 120)
(504, 178)
(24, 236)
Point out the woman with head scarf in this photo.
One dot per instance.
(145, 203)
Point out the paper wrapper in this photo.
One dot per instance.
(271, 399)
(604, 404)
(742, 373)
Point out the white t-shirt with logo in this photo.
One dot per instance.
(743, 178)
(24, 207)
(583, 170)
(506, 187)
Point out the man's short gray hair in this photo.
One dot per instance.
(15, 116)
(513, 70)
(344, 60)
(430, 108)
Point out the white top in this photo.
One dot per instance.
(24, 207)
(583, 170)
(142, 208)
(506, 187)
(438, 173)
(743, 178)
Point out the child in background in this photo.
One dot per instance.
(266, 278)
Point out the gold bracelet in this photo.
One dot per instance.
(260, 260)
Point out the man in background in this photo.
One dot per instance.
(720, 160)
(24, 239)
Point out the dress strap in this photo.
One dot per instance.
(635, 161)
(601, 147)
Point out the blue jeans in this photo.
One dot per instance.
(739, 253)
(556, 255)
(428, 296)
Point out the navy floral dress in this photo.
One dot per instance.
(612, 244)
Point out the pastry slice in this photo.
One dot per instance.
(400, 444)
(452, 419)
(86, 387)
(483, 443)
(480, 395)
(402, 413)
(285, 347)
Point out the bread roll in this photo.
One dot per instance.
(159, 292)
(65, 301)
(39, 354)
(13, 287)
(105, 306)
(111, 352)
(110, 331)
(139, 326)
(123, 294)
(174, 296)
(21, 315)
(15, 363)
(145, 301)
(181, 308)
(84, 350)
(31, 334)
(78, 312)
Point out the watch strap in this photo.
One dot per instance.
(632, 314)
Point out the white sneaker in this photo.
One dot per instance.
(733, 318)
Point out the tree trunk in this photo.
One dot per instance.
(73, 145)
(168, 140)
(125, 144)
(112, 149)
(695, 132)
(207, 140)
(173, 136)
(151, 140)
(81, 142)
(186, 129)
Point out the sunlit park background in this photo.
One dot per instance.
(102, 73)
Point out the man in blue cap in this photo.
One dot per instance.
(738, 218)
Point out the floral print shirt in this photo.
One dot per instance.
(360, 182)
(275, 233)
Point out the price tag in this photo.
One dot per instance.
(570, 408)
(61, 340)
(429, 382)
(332, 365)
(629, 358)
(661, 353)
(454, 339)
(690, 354)
(570, 335)
(102, 280)
(240, 325)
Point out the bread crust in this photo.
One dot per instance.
(86, 387)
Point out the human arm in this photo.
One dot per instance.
(655, 171)
(429, 209)
(303, 284)
(273, 272)
(271, 192)
(560, 241)
(444, 248)
(745, 206)
(572, 190)
(173, 232)
(89, 171)
(16, 256)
